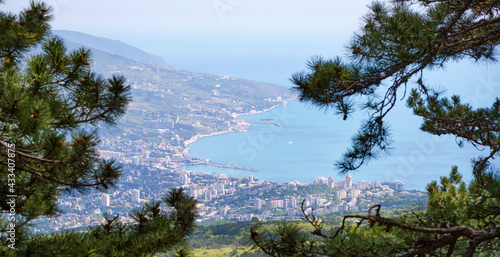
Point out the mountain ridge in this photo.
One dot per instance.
(206, 103)
(111, 46)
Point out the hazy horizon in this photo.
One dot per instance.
(261, 40)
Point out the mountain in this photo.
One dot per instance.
(204, 101)
(110, 46)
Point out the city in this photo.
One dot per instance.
(149, 174)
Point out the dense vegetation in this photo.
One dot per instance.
(398, 43)
(52, 105)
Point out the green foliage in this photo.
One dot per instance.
(398, 43)
(446, 199)
(452, 223)
(52, 106)
(153, 230)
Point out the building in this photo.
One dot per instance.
(136, 160)
(219, 187)
(341, 194)
(221, 176)
(105, 200)
(276, 204)
(184, 179)
(347, 183)
(317, 201)
(258, 203)
(321, 181)
(136, 195)
(251, 179)
(177, 157)
(331, 182)
(376, 184)
(362, 185)
(348, 180)
(197, 192)
(286, 203)
(395, 185)
(354, 193)
(223, 211)
(208, 195)
(110, 155)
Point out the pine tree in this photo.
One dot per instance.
(157, 227)
(51, 108)
(389, 56)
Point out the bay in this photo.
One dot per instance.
(311, 140)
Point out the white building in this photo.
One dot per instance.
(321, 181)
(219, 187)
(221, 176)
(395, 185)
(105, 200)
(258, 203)
(347, 183)
(318, 201)
(331, 182)
(136, 160)
(354, 193)
(341, 194)
(362, 185)
(348, 179)
(136, 195)
(184, 179)
(276, 204)
(208, 195)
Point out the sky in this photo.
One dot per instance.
(259, 39)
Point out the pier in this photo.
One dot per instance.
(272, 123)
(229, 167)
(208, 162)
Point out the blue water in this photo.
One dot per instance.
(312, 140)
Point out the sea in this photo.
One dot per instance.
(311, 140)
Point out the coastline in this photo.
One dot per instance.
(284, 103)
(232, 129)
(235, 128)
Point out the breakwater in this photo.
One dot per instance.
(229, 167)
(261, 123)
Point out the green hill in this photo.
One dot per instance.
(189, 97)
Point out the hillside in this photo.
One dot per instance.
(110, 46)
(205, 100)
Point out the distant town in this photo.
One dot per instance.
(151, 164)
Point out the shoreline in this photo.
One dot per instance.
(284, 103)
(243, 122)
(230, 130)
